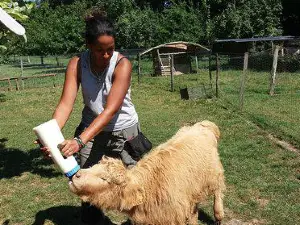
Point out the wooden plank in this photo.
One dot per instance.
(173, 53)
(21, 79)
(39, 76)
(17, 84)
(9, 84)
(29, 77)
(159, 59)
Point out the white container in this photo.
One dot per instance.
(50, 136)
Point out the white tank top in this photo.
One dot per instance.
(95, 91)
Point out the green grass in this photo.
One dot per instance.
(263, 180)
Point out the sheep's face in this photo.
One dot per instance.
(105, 181)
(98, 178)
(88, 181)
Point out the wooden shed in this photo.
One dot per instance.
(181, 52)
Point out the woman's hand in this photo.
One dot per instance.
(69, 147)
(45, 150)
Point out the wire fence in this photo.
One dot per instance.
(264, 87)
(240, 82)
(240, 76)
(21, 72)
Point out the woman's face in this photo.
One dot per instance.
(102, 49)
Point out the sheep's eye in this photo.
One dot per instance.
(103, 178)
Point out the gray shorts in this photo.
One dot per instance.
(107, 143)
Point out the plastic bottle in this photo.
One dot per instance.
(50, 136)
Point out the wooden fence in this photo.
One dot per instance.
(19, 81)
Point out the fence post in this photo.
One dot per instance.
(22, 71)
(217, 74)
(17, 84)
(9, 84)
(54, 80)
(42, 60)
(210, 75)
(139, 67)
(273, 71)
(172, 74)
(243, 80)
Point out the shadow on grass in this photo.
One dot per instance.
(205, 218)
(59, 215)
(13, 162)
(62, 215)
(2, 97)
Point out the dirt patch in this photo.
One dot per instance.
(239, 222)
(283, 144)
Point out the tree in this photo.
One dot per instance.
(19, 13)
(244, 19)
(55, 31)
(138, 29)
(291, 17)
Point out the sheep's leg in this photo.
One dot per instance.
(218, 207)
(193, 220)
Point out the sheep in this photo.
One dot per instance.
(166, 185)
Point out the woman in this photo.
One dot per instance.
(108, 117)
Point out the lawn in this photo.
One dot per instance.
(263, 180)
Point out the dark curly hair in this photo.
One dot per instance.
(97, 24)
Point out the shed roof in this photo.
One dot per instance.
(179, 46)
(278, 38)
(242, 45)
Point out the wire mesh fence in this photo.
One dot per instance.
(235, 79)
(15, 71)
(266, 89)
(239, 87)
(23, 72)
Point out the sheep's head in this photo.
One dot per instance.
(212, 127)
(99, 184)
(98, 179)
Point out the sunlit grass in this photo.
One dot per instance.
(263, 180)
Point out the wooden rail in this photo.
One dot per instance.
(18, 79)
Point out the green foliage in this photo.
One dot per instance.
(248, 19)
(116, 8)
(55, 31)
(138, 28)
(20, 13)
(182, 22)
(143, 28)
(56, 28)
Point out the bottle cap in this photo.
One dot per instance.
(73, 171)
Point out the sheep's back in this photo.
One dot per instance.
(183, 166)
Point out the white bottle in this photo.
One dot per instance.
(50, 136)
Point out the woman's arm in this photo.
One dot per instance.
(70, 89)
(121, 83)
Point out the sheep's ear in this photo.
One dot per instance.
(118, 178)
(104, 159)
(212, 126)
(132, 195)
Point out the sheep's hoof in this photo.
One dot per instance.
(218, 222)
